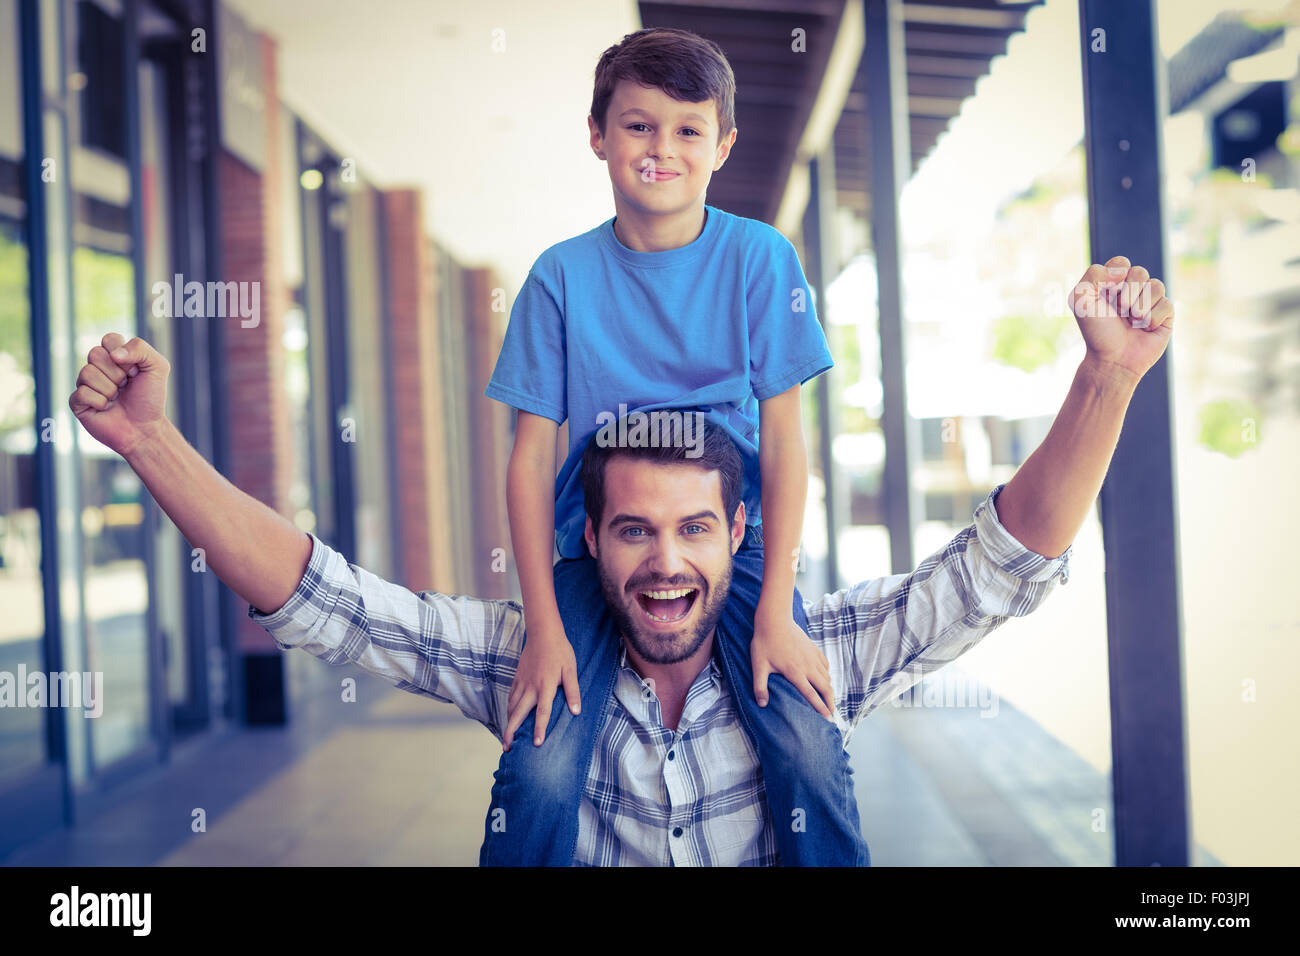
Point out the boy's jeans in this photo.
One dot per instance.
(533, 820)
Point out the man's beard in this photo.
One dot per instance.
(666, 648)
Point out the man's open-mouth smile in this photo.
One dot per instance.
(667, 605)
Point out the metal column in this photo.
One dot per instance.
(1124, 111)
(39, 808)
(822, 261)
(885, 79)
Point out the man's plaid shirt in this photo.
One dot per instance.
(653, 796)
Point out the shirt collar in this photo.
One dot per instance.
(631, 692)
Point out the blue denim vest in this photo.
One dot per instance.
(533, 819)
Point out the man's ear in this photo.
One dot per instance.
(738, 528)
(589, 533)
(597, 140)
(724, 149)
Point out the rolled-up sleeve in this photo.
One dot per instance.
(1009, 555)
(457, 649)
(311, 604)
(884, 635)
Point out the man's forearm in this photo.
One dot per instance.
(259, 554)
(1045, 503)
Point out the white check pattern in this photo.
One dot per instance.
(656, 797)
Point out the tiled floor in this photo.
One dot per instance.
(406, 781)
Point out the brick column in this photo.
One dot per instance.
(260, 443)
(490, 423)
(420, 455)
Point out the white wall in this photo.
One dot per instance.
(415, 92)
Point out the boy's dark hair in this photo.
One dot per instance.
(716, 452)
(685, 65)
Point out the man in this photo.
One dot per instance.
(673, 778)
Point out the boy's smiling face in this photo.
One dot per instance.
(661, 152)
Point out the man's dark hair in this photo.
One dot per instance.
(685, 65)
(713, 450)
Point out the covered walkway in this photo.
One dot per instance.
(399, 780)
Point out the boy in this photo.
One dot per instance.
(672, 304)
(659, 180)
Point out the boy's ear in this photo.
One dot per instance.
(724, 148)
(589, 533)
(597, 140)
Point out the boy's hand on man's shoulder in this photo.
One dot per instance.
(781, 647)
(546, 663)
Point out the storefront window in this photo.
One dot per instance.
(297, 372)
(370, 378)
(103, 279)
(22, 626)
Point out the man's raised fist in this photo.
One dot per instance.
(121, 392)
(1123, 314)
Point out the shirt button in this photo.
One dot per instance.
(672, 754)
(677, 831)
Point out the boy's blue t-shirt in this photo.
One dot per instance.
(717, 325)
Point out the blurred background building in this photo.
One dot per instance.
(386, 176)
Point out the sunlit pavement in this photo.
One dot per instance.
(407, 786)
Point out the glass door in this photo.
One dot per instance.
(167, 218)
(29, 756)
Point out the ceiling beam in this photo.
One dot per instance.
(791, 107)
(962, 15)
(942, 106)
(816, 8)
(730, 31)
(925, 84)
(972, 67)
(943, 41)
(1020, 5)
(819, 130)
